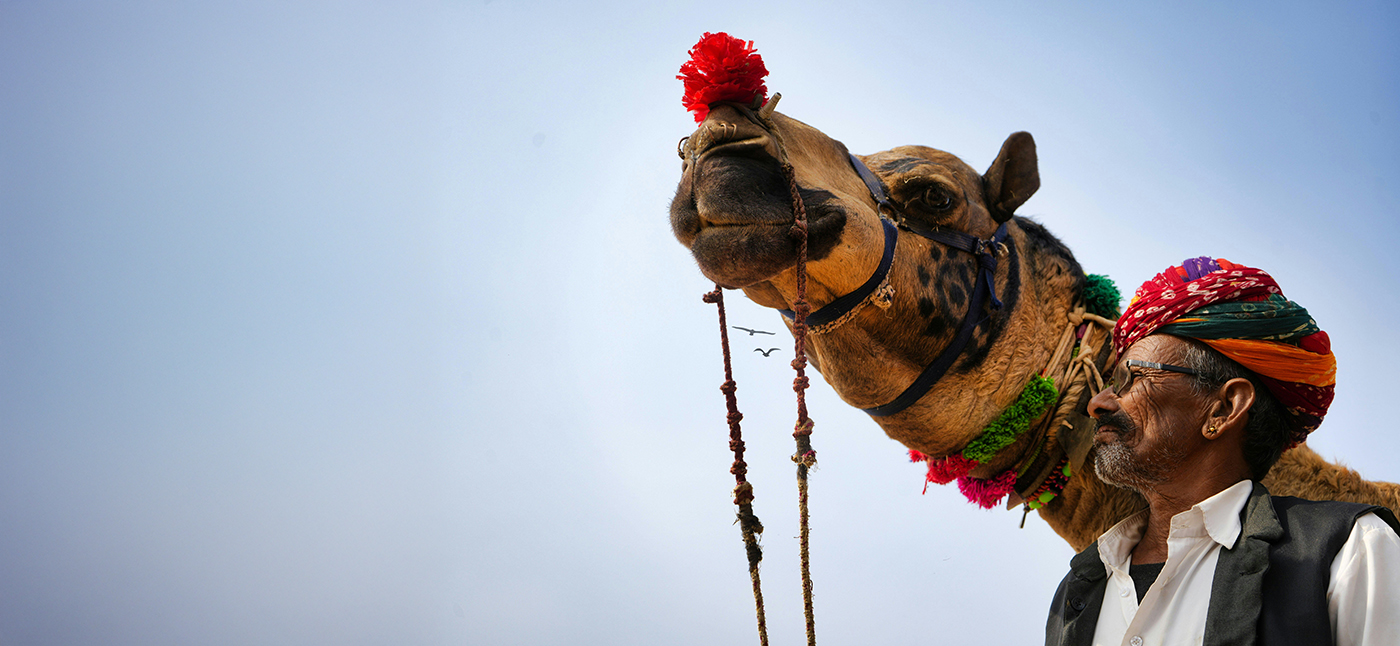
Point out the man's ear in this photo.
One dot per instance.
(1231, 409)
(1013, 177)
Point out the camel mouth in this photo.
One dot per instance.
(738, 229)
(739, 255)
(733, 208)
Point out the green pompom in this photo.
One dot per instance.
(1037, 396)
(1101, 296)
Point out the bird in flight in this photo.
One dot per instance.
(750, 331)
(765, 352)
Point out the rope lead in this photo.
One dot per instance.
(749, 524)
(802, 433)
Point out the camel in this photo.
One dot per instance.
(732, 210)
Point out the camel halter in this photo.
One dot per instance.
(985, 251)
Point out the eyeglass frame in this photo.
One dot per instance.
(1137, 363)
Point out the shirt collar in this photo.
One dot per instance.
(1218, 516)
(1221, 513)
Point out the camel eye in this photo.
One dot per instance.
(936, 199)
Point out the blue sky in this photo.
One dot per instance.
(359, 323)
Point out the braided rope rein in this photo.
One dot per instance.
(749, 524)
(805, 457)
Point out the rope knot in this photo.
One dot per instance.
(743, 493)
(799, 384)
(884, 296)
(804, 427)
(808, 459)
(713, 297)
(1076, 316)
(728, 387)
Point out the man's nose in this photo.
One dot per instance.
(1104, 402)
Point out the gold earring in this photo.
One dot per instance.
(1211, 431)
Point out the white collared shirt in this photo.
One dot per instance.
(1363, 594)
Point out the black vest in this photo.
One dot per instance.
(1269, 589)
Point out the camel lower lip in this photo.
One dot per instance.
(741, 255)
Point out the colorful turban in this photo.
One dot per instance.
(1241, 312)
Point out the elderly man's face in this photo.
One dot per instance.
(1143, 434)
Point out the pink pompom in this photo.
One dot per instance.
(987, 493)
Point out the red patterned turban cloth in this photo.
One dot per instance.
(1240, 312)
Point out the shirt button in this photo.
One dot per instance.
(1135, 641)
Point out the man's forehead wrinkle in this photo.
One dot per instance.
(1158, 348)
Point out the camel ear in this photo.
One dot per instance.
(1013, 177)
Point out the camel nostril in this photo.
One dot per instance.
(715, 134)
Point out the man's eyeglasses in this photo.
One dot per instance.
(1123, 377)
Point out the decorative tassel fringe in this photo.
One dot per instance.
(943, 470)
(948, 469)
(987, 493)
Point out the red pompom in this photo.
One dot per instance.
(948, 469)
(722, 68)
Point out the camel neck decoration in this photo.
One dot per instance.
(732, 210)
(1034, 401)
(1038, 395)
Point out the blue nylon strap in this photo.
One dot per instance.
(872, 183)
(940, 366)
(839, 307)
(985, 252)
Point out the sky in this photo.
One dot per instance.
(362, 323)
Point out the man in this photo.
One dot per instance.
(1217, 374)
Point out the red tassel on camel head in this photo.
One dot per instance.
(722, 68)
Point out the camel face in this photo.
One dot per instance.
(732, 208)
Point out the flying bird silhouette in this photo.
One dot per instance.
(765, 352)
(751, 332)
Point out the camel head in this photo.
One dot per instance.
(733, 210)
